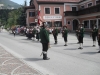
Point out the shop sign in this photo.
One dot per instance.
(52, 17)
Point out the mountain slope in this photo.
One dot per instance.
(8, 3)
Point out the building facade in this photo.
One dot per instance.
(66, 12)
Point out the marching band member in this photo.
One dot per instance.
(55, 34)
(44, 36)
(94, 35)
(81, 35)
(65, 35)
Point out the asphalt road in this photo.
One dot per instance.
(67, 60)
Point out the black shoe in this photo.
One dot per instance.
(45, 57)
(80, 48)
(65, 45)
(77, 42)
(98, 51)
(55, 43)
(93, 46)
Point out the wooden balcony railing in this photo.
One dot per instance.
(90, 10)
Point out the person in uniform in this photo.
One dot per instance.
(33, 33)
(14, 32)
(44, 36)
(65, 34)
(30, 33)
(81, 35)
(55, 34)
(94, 33)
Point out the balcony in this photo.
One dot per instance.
(71, 13)
(90, 10)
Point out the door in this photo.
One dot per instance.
(75, 24)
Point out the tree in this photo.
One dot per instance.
(4, 16)
(17, 16)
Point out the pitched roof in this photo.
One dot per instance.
(30, 7)
(58, 1)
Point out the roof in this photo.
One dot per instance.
(30, 7)
(64, 1)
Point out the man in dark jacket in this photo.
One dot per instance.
(81, 35)
(94, 34)
(44, 36)
(55, 34)
(65, 35)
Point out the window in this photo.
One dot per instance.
(68, 22)
(58, 23)
(74, 9)
(49, 24)
(47, 10)
(31, 14)
(90, 4)
(82, 7)
(92, 23)
(99, 23)
(32, 24)
(56, 10)
(97, 2)
(86, 24)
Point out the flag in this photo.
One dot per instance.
(39, 18)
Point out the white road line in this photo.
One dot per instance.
(12, 73)
(3, 54)
(6, 61)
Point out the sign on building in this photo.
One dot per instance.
(52, 17)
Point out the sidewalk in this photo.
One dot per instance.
(10, 65)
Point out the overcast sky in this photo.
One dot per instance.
(21, 1)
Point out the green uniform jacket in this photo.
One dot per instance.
(55, 32)
(95, 32)
(44, 35)
(65, 33)
(81, 33)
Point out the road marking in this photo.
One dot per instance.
(6, 61)
(12, 73)
(32, 65)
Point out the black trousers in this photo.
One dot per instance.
(65, 38)
(80, 39)
(99, 42)
(45, 47)
(55, 37)
(14, 34)
(93, 37)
